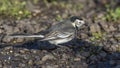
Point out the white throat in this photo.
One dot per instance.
(73, 24)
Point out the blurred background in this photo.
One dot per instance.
(59, 9)
(98, 43)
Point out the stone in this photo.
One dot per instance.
(93, 58)
(113, 48)
(112, 62)
(77, 59)
(117, 35)
(104, 26)
(16, 29)
(119, 27)
(8, 29)
(85, 54)
(112, 40)
(112, 28)
(7, 39)
(83, 35)
(1, 31)
(95, 28)
(46, 57)
(103, 54)
(30, 62)
(118, 66)
(20, 40)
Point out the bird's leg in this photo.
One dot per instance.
(76, 32)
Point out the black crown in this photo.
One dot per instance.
(73, 18)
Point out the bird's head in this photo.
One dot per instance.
(77, 22)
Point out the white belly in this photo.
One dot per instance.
(60, 41)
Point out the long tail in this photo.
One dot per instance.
(27, 36)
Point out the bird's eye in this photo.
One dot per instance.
(78, 23)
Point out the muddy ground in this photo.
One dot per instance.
(97, 46)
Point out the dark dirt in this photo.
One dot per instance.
(88, 51)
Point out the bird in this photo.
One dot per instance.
(60, 33)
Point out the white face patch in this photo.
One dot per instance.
(77, 20)
(79, 23)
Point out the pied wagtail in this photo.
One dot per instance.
(61, 32)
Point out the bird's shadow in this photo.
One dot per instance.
(36, 44)
(45, 45)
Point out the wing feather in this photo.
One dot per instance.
(57, 35)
